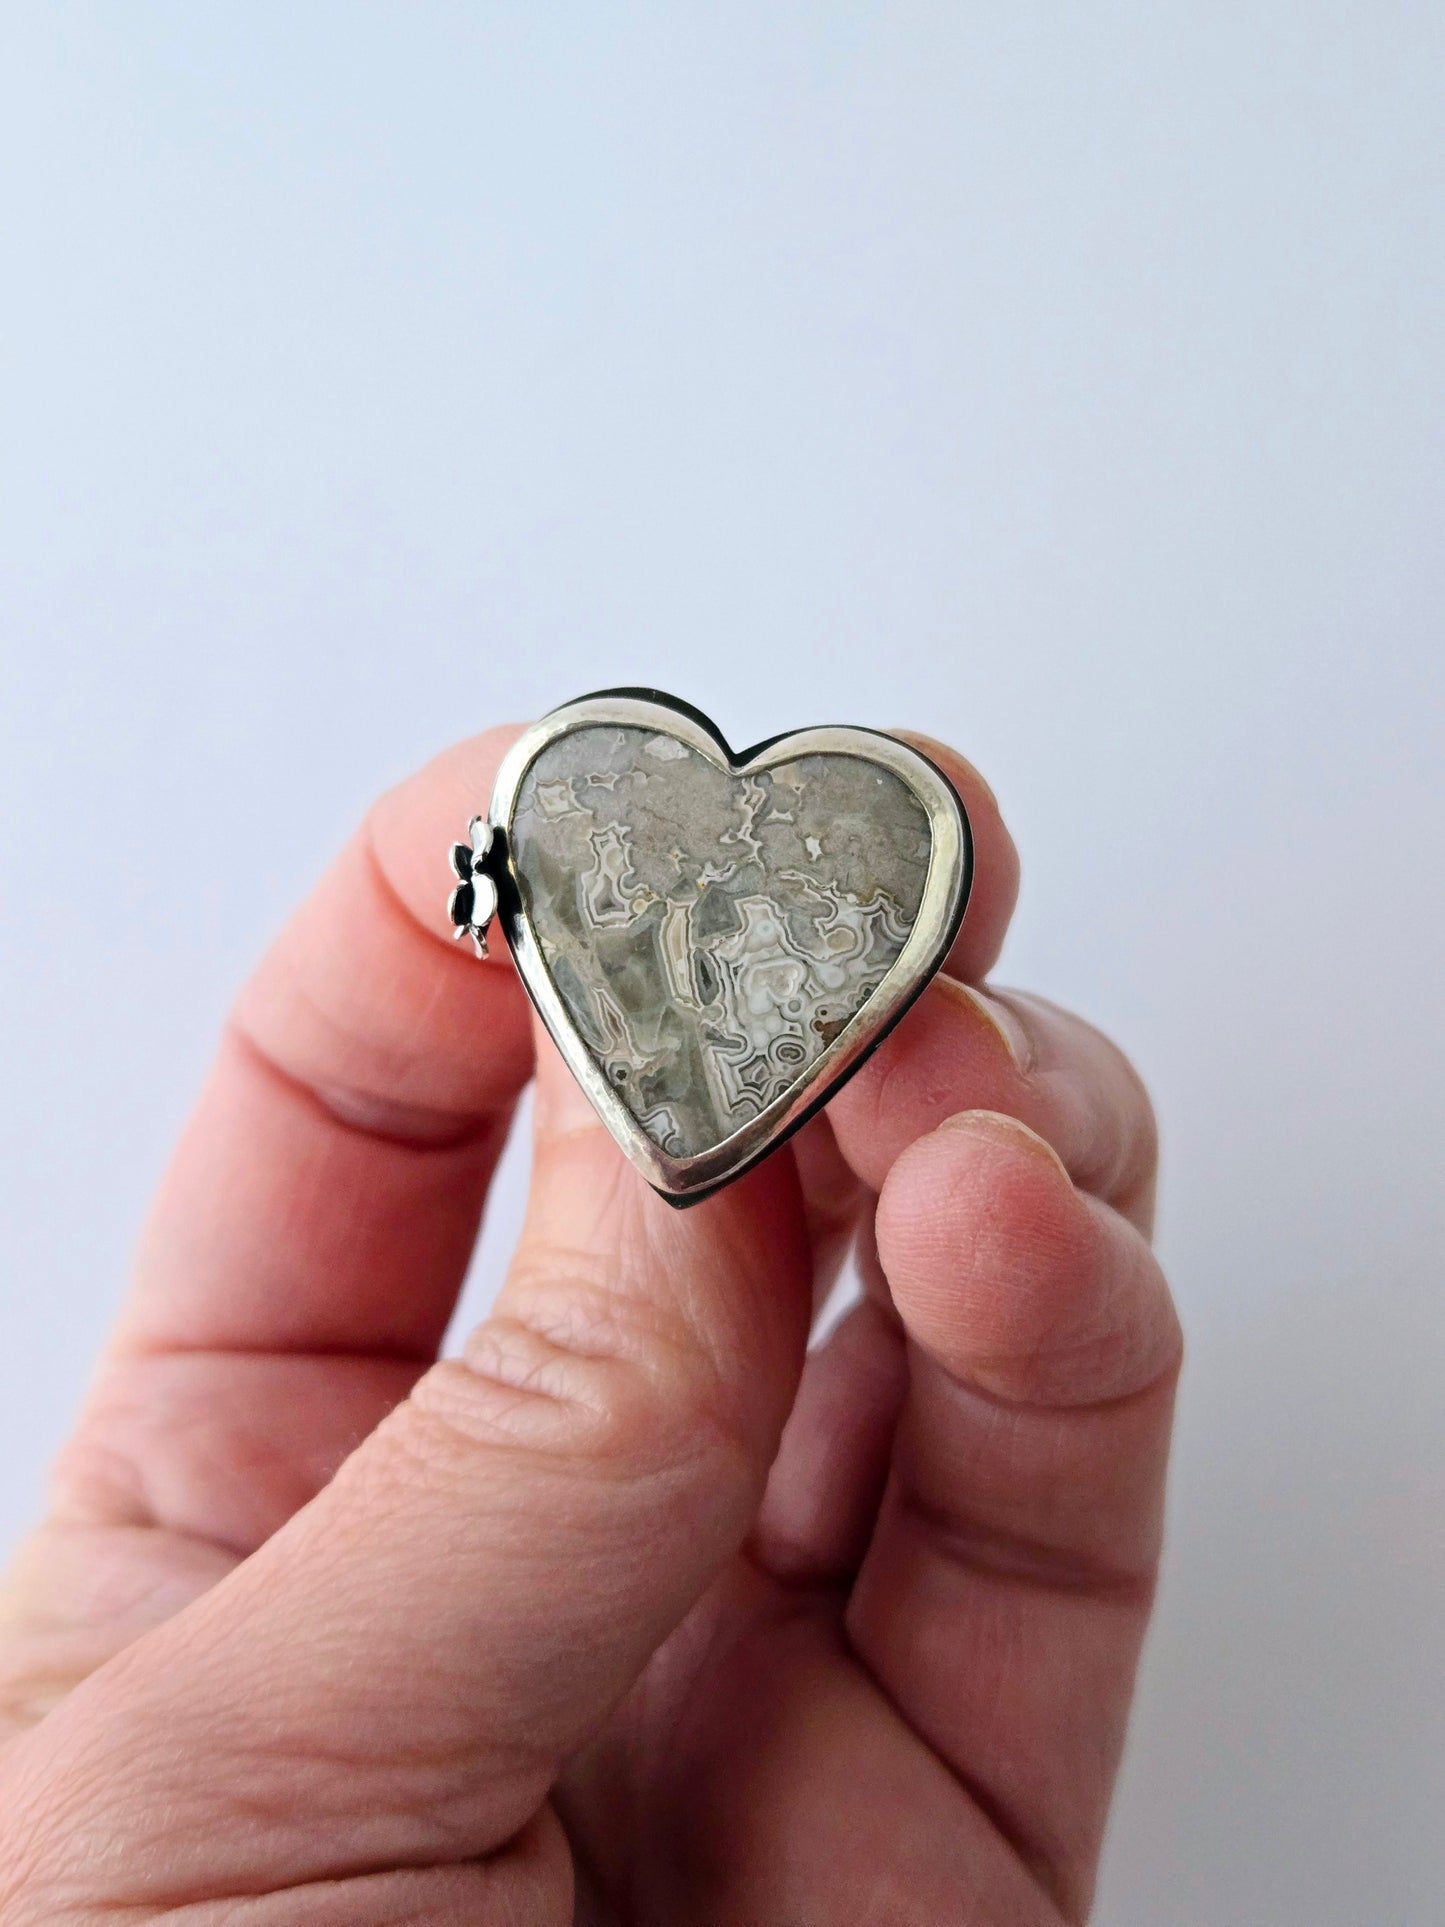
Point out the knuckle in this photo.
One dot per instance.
(580, 1376)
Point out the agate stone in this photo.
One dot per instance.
(710, 934)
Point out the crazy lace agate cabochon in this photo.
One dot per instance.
(710, 934)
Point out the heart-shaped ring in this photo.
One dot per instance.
(714, 940)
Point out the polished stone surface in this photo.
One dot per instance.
(710, 934)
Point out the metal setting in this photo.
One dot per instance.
(714, 941)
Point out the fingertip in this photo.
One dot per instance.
(999, 1016)
(413, 825)
(1013, 1279)
(968, 1217)
(956, 1046)
(995, 863)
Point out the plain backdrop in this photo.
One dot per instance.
(1064, 380)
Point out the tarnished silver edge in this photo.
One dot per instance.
(945, 894)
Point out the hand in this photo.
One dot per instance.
(636, 1601)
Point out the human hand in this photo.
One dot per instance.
(635, 1609)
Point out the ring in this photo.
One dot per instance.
(714, 940)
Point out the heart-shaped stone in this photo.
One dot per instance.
(715, 941)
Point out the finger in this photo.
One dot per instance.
(1022, 1054)
(833, 1200)
(395, 1677)
(995, 865)
(1004, 1596)
(963, 1049)
(758, 1776)
(304, 1254)
(821, 1502)
(305, 1251)
(823, 1489)
(324, 1196)
(962, 1045)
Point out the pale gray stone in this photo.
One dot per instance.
(710, 934)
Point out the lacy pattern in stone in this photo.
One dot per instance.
(711, 934)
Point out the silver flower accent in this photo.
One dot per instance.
(473, 903)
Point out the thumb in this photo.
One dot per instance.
(396, 1677)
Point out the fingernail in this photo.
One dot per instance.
(1006, 1024)
(999, 1125)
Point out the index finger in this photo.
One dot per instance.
(325, 1191)
(306, 1247)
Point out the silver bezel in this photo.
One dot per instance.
(945, 893)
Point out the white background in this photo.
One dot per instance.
(1064, 380)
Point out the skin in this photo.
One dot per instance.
(640, 1612)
